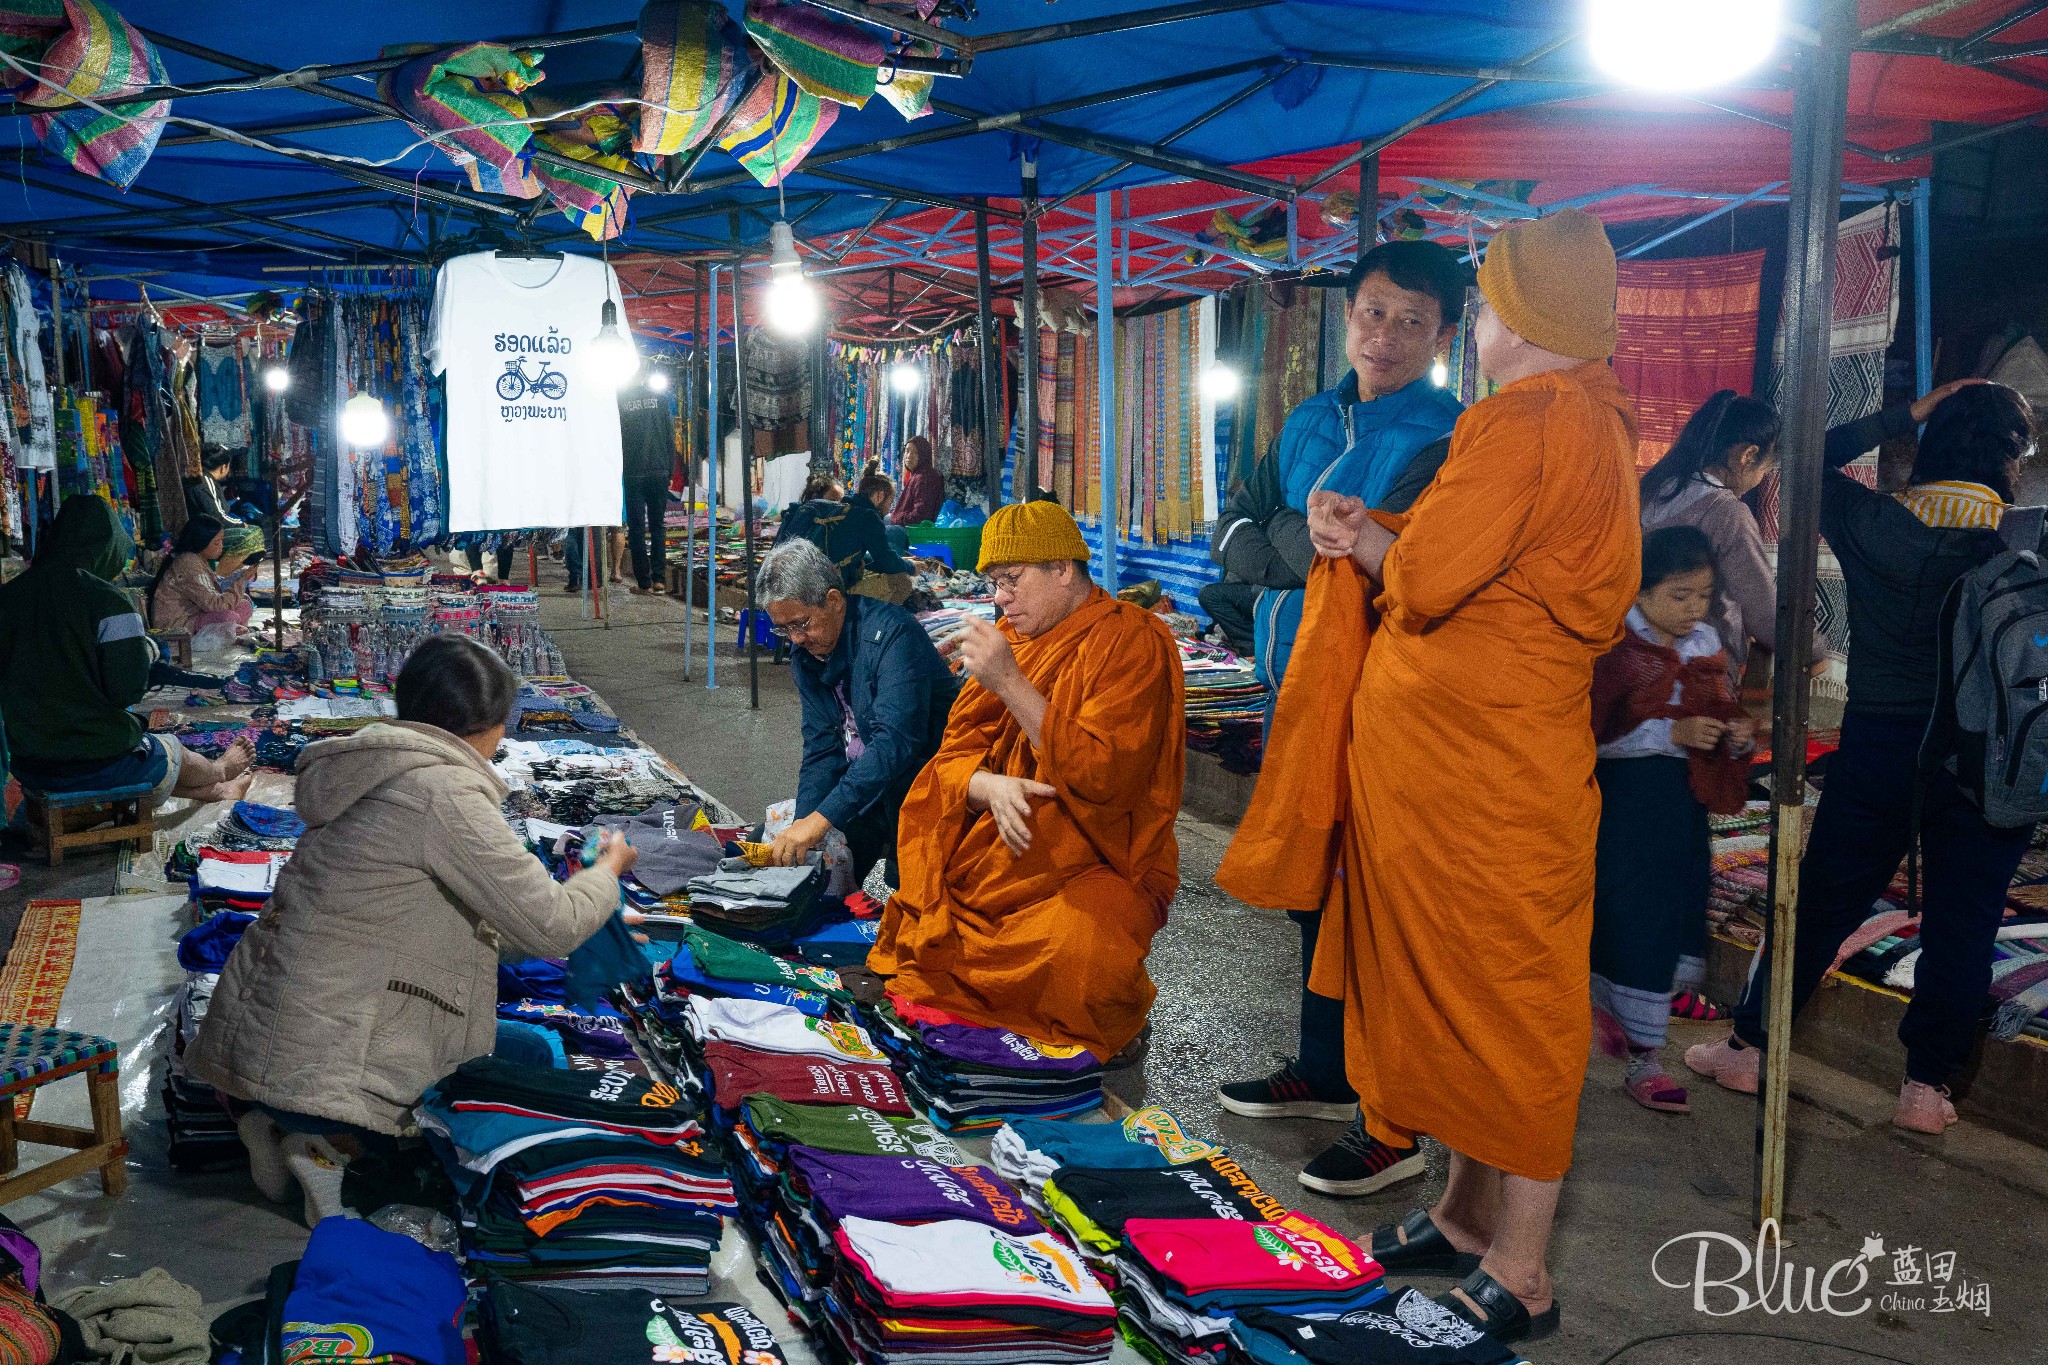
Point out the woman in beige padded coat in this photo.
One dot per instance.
(373, 973)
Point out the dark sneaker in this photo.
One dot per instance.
(1359, 1164)
(1285, 1095)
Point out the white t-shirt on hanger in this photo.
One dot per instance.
(533, 437)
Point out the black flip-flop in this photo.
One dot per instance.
(1426, 1248)
(1507, 1319)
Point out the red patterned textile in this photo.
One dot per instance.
(1687, 329)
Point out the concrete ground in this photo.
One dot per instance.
(1227, 979)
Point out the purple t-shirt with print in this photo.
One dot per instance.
(910, 1189)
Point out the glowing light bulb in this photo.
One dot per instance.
(791, 304)
(1220, 383)
(364, 423)
(1676, 45)
(657, 381)
(612, 359)
(905, 377)
(1440, 375)
(277, 379)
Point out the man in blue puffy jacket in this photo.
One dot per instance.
(1380, 435)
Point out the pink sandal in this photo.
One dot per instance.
(1659, 1092)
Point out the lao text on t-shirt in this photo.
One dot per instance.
(908, 1189)
(737, 1072)
(533, 430)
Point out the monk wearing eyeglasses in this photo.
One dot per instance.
(1038, 852)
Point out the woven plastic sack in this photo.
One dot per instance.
(829, 57)
(101, 57)
(909, 91)
(692, 57)
(471, 100)
(775, 127)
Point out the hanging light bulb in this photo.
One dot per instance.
(1220, 383)
(657, 380)
(277, 379)
(905, 377)
(1676, 45)
(364, 421)
(792, 300)
(613, 358)
(1440, 375)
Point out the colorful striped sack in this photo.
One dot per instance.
(470, 100)
(775, 128)
(26, 28)
(99, 57)
(593, 203)
(829, 57)
(692, 58)
(909, 91)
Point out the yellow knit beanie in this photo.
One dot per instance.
(1030, 533)
(1551, 280)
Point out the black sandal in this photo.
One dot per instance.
(1426, 1248)
(1506, 1318)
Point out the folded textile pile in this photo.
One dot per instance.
(364, 1296)
(1030, 1152)
(961, 1290)
(1414, 1327)
(226, 880)
(1095, 1205)
(536, 1324)
(772, 905)
(579, 1175)
(251, 827)
(673, 840)
(971, 1078)
(1183, 1280)
(202, 1135)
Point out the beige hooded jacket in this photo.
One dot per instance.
(374, 971)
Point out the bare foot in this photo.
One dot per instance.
(238, 758)
(234, 789)
(1457, 1234)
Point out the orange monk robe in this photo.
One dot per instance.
(1050, 944)
(1457, 929)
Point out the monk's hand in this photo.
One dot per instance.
(1698, 732)
(1334, 523)
(794, 844)
(985, 653)
(1008, 800)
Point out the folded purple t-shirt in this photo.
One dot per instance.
(997, 1048)
(910, 1189)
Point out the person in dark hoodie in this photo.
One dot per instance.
(73, 659)
(853, 536)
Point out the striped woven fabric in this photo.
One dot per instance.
(909, 91)
(1954, 504)
(829, 57)
(99, 56)
(471, 99)
(692, 57)
(593, 203)
(775, 128)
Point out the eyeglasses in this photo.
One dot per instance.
(794, 629)
(1007, 582)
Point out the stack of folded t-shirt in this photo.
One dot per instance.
(226, 880)
(971, 1078)
(772, 905)
(535, 1019)
(1095, 1205)
(579, 1175)
(1029, 1152)
(1183, 1279)
(364, 1296)
(963, 1291)
(708, 966)
(534, 1324)
(1412, 1329)
(251, 827)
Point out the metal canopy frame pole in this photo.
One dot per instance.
(691, 391)
(1923, 288)
(1368, 202)
(1026, 455)
(1819, 115)
(739, 426)
(1105, 381)
(710, 342)
(991, 363)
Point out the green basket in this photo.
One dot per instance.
(963, 541)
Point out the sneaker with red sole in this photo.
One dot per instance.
(1285, 1095)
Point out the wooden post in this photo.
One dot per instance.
(1819, 113)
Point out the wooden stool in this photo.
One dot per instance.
(66, 820)
(177, 646)
(31, 1058)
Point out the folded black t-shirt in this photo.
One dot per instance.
(546, 1324)
(1216, 1187)
(1412, 1330)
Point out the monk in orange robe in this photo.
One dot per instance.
(1037, 847)
(1458, 886)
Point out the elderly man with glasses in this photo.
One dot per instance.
(1038, 844)
(875, 696)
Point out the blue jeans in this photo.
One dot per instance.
(1860, 835)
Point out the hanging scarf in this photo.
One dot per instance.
(1954, 505)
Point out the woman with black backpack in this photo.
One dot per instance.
(1900, 555)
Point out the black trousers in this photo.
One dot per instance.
(1860, 834)
(646, 507)
(1230, 606)
(1321, 1062)
(871, 838)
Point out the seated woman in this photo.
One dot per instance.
(924, 488)
(187, 597)
(373, 973)
(74, 657)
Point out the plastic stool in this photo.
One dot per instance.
(764, 634)
(66, 820)
(31, 1058)
(940, 552)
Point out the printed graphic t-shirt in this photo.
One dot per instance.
(647, 432)
(533, 435)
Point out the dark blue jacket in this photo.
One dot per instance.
(900, 692)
